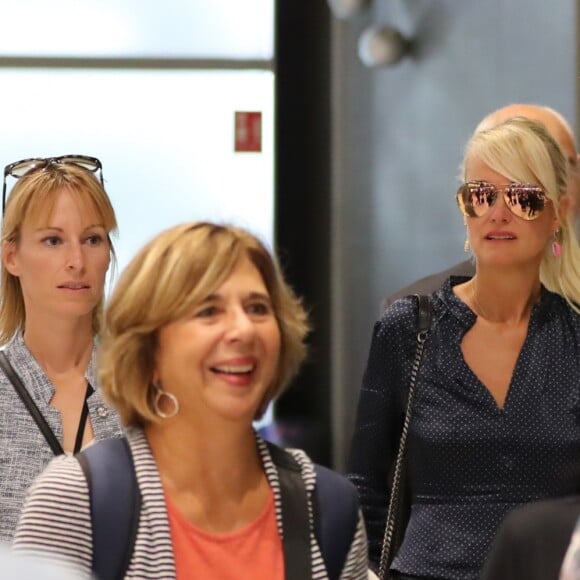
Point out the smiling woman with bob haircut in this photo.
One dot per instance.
(186, 269)
(202, 333)
(56, 251)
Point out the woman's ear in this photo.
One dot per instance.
(565, 208)
(9, 258)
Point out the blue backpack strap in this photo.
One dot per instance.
(115, 505)
(336, 510)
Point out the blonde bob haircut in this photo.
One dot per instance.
(33, 198)
(523, 151)
(167, 280)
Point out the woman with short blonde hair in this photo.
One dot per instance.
(201, 334)
(187, 263)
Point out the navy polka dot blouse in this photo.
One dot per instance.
(469, 461)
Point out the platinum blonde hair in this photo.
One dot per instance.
(524, 151)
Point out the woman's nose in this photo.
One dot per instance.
(499, 211)
(240, 326)
(75, 258)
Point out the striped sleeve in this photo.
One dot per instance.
(356, 565)
(55, 522)
(153, 553)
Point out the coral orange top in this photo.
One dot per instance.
(254, 551)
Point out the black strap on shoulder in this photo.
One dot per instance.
(83, 420)
(30, 405)
(115, 505)
(424, 312)
(422, 326)
(295, 522)
(335, 510)
(335, 518)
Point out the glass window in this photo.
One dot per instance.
(166, 140)
(138, 28)
(165, 136)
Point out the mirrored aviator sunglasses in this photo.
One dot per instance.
(24, 167)
(525, 201)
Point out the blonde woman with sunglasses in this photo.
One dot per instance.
(56, 251)
(496, 416)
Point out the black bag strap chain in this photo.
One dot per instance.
(423, 324)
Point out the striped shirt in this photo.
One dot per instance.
(24, 452)
(56, 519)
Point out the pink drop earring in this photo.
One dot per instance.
(466, 245)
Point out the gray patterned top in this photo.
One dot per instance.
(24, 452)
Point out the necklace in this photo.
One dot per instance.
(480, 312)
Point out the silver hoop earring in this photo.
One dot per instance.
(159, 393)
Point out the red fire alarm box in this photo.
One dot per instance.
(248, 132)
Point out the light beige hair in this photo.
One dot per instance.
(33, 198)
(539, 113)
(167, 280)
(524, 151)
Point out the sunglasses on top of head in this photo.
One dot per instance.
(525, 201)
(24, 167)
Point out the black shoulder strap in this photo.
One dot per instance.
(335, 518)
(30, 405)
(295, 522)
(419, 333)
(424, 312)
(335, 510)
(115, 505)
